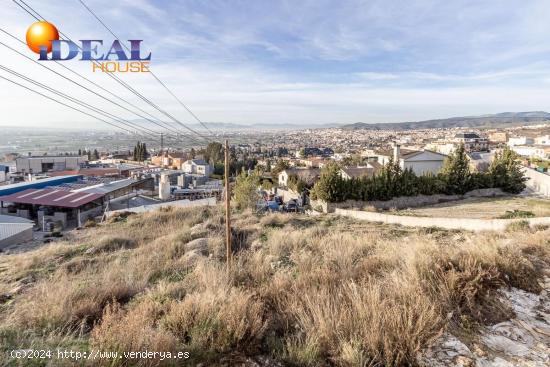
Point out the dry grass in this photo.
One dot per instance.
(484, 208)
(310, 292)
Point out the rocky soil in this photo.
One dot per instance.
(521, 341)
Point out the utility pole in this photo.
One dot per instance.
(227, 208)
(161, 142)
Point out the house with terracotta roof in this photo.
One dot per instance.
(173, 160)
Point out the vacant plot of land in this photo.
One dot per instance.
(302, 291)
(485, 208)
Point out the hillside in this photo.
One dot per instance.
(303, 291)
(505, 119)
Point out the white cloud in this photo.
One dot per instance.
(303, 62)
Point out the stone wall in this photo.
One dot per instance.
(403, 202)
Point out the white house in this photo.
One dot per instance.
(420, 161)
(520, 140)
(542, 140)
(308, 175)
(531, 151)
(197, 166)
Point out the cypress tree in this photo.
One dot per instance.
(456, 171)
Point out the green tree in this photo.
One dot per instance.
(330, 186)
(267, 185)
(456, 171)
(246, 193)
(140, 152)
(95, 155)
(144, 153)
(506, 172)
(296, 184)
(352, 160)
(214, 153)
(280, 166)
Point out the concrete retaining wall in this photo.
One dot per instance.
(537, 181)
(447, 223)
(404, 201)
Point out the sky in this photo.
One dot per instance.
(298, 62)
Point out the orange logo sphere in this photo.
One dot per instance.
(41, 34)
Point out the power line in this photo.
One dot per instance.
(93, 83)
(88, 89)
(76, 83)
(77, 101)
(39, 17)
(66, 105)
(152, 73)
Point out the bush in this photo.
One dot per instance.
(521, 225)
(90, 223)
(510, 214)
(246, 191)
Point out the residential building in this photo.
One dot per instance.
(520, 140)
(173, 160)
(314, 152)
(308, 175)
(498, 137)
(532, 151)
(542, 140)
(443, 148)
(197, 166)
(420, 161)
(472, 142)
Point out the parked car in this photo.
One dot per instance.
(272, 206)
(291, 206)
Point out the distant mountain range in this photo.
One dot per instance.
(505, 119)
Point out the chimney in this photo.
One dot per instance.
(396, 152)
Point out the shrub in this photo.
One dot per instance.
(217, 321)
(108, 244)
(510, 214)
(246, 191)
(90, 223)
(521, 225)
